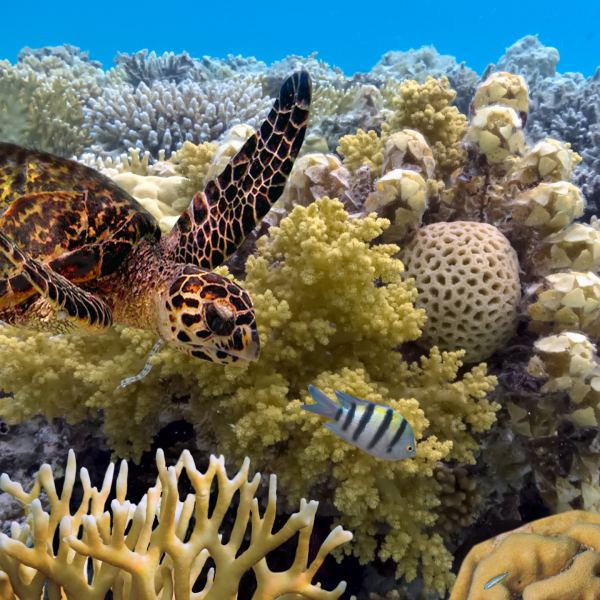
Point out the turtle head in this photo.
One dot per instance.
(208, 316)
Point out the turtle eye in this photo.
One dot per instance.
(217, 322)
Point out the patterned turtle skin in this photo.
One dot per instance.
(77, 253)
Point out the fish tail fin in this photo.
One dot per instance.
(325, 407)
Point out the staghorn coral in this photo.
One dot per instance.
(168, 67)
(165, 115)
(313, 288)
(149, 559)
(44, 99)
(556, 557)
(426, 108)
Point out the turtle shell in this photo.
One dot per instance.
(69, 215)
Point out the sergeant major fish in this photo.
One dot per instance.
(375, 429)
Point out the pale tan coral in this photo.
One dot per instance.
(131, 163)
(408, 149)
(401, 197)
(547, 208)
(149, 559)
(497, 133)
(556, 557)
(568, 362)
(231, 144)
(427, 109)
(314, 176)
(577, 247)
(568, 301)
(158, 195)
(369, 98)
(548, 161)
(503, 89)
(467, 275)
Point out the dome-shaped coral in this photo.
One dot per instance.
(401, 197)
(408, 149)
(467, 275)
(504, 89)
(549, 160)
(496, 132)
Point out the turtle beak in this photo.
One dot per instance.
(251, 346)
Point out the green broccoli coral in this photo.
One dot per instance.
(322, 321)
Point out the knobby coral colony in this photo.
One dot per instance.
(476, 217)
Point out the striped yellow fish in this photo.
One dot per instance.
(375, 429)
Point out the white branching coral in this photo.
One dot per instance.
(134, 558)
(166, 115)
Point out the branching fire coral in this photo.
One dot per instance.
(148, 560)
(321, 321)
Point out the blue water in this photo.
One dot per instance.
(351, 35)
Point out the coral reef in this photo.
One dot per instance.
(147, 559)
(440, 153)
(165, 115)
(42, 101)
(312, 285)
(556, 557)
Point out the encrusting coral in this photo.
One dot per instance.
(555, 557)
(148, 562)
(321, 321)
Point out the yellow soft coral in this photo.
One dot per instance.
(364, 149)
(425, 107)
(194, 162)
(321, 320)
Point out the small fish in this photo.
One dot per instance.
(375, 429)
(492, 582)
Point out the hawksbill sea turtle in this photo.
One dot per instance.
(78, 253)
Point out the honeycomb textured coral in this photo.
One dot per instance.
(556, 557)
(467, 275)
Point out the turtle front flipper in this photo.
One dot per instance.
(231, 206)
(71, 309)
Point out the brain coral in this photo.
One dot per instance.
(556, 557)
(467, 275)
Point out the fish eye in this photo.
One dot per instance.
(409, 448)
(216, 323)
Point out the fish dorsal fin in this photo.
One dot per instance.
(347, 401)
